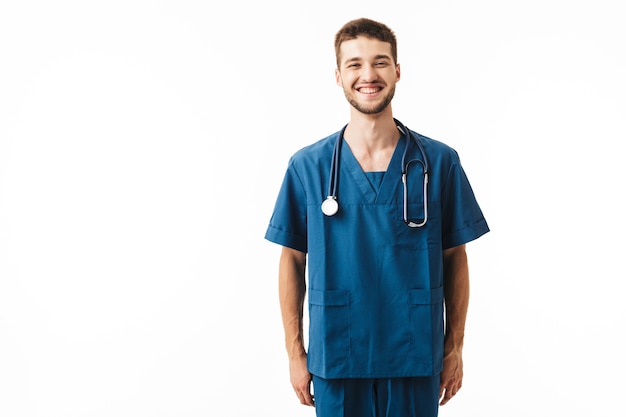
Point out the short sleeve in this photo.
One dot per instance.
(462, 218)
(287, 225)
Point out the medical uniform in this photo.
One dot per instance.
(375, 285)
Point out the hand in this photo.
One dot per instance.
(301, 380)
(451, 376)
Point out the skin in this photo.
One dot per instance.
(368, 75)
(456, 290)
(291, 290)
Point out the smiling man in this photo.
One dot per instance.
(380, 216)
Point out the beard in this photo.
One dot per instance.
(374, 109)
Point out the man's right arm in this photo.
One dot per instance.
(291, 289)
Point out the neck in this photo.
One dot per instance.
(372, 139)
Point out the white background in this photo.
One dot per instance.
(142, 144)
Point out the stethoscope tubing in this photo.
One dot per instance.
(330, 205)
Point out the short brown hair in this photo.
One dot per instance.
(368, 28)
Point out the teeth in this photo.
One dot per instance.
(368, 90)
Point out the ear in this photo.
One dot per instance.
(337, 77)
(397, 72)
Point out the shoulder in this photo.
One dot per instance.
(320, 150)
(437, 150)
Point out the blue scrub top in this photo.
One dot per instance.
(375, 285)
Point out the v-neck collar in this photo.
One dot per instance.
(391, 179)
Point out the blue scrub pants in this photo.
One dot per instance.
(380, 397)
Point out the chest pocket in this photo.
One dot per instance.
(423, 237)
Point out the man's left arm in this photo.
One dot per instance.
(456, 295)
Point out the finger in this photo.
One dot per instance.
(448, 394)
(444, 397)
(305, 397)
(443, 388)
(308, 399)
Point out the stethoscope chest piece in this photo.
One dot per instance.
(330, 207)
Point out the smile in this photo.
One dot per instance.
(369, 90)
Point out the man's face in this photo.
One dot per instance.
(367, 73)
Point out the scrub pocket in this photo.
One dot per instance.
(424, 237)
(329, 327)
(426, 317)
(415, 212)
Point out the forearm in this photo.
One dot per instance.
(292, 288)
(456, 293)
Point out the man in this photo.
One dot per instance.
(384, 256)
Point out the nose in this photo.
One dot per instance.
(368, 73)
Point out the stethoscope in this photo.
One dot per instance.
(330, 206)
